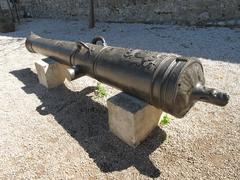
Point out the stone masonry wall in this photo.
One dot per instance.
(148, 11)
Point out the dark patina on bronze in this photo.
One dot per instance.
(165, 81)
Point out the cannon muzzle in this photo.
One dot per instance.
(163, 80)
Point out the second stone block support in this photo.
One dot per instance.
(131, 119)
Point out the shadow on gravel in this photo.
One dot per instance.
(87, 121)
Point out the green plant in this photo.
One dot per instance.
(165, 120)
(100, 90)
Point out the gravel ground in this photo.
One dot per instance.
(62, 133)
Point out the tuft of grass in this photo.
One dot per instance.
(100, 90)
(165, 120)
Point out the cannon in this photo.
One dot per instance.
(169, 82)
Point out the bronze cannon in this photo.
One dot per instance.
(165, 81)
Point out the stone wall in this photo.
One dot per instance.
(148, 11)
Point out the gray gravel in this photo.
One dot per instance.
(63, 133)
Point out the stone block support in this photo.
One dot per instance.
(131, 119)
(51, 73)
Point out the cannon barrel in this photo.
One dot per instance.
(165, 81)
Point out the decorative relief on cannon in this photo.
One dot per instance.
(142, 59)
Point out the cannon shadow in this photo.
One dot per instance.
(87, 121)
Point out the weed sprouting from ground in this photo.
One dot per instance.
(165, 120)
(100, 90)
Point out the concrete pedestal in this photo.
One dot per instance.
(131, 119)
(51, 73)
